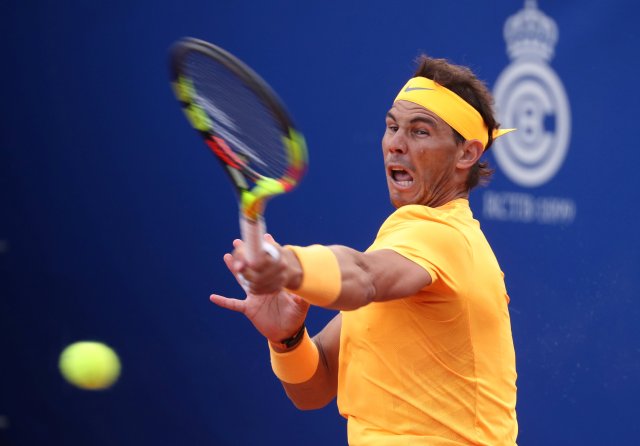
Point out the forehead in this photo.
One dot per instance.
(409, 111)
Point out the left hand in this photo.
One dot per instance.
(276, 316)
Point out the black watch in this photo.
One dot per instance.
(294, 340)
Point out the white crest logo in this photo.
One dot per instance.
(530, 97)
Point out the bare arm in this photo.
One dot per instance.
(365, 277)
(321, 389)
(376, 276)
(276, 317)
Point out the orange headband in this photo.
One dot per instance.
(453, 110)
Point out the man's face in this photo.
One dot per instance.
(420, 155)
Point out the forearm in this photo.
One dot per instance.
(318, 391)
(320, 387)
(335, 277)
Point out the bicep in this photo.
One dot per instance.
(376, 276)
(394, 275)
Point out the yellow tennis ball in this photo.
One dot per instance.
(89, 365)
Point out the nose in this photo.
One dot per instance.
(397, 143)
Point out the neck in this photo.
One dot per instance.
(447, 199)
(447, 192)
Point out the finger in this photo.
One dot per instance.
(230, 304)
(236, 263)
(228, 261)
(268, 238)
(244, 283)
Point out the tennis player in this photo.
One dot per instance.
(421, 352)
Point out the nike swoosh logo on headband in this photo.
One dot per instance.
(416, 88)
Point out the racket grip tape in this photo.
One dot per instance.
(252, 233)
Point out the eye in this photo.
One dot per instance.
(392, 128)
(421, 132)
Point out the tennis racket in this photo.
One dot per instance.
(245, 125)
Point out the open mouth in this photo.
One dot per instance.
(400, 176)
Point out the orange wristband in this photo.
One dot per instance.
(298, 365)
(321, 276)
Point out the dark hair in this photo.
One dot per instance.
(465, 84)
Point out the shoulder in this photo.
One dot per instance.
(437, 239)
(423, 223)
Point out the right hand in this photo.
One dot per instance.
(264, 274)
(276, 316)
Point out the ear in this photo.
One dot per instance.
(470, 152)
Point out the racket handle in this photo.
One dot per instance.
(253, 236)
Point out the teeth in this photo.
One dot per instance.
(397, 173)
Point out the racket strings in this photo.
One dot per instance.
(239, 116)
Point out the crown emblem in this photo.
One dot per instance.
(530, 33)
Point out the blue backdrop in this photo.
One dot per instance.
(114, 218)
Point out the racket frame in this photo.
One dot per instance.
(253, 189)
